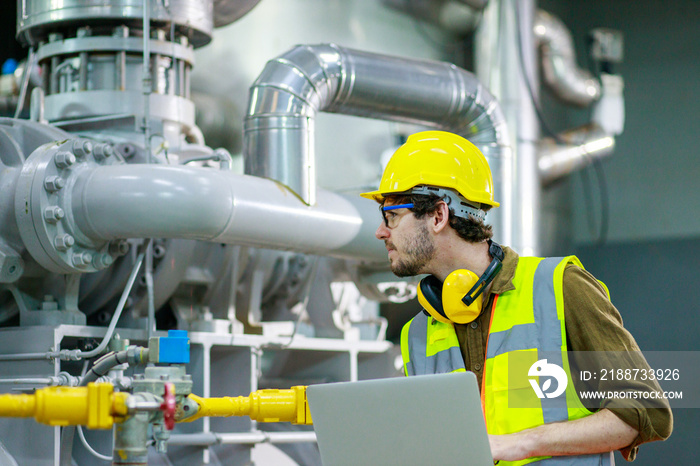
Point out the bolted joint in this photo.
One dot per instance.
(54, 183)
(119, 247)
(64, 242)
(102, 261)
(64, 159)
(11, 264)
(53, 214)
(69, 355)
(81, 259)
(137, 355)
(82, 147)
(103, 151)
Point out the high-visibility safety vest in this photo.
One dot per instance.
(527, 325)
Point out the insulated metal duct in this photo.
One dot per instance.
(456, 16)
(559, 69)
(279, 128)
(584, 145)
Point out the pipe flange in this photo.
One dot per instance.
(43, 210)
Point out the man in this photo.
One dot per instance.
(485, 305)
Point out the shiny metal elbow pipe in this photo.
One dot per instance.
(585, 144)
(560, 71)
(283, 102)
(150, 201)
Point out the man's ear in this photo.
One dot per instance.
(441, 217)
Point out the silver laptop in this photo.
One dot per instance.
(424, 420)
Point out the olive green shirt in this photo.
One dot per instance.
(592, 324)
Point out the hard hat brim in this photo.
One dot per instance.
(373, 195)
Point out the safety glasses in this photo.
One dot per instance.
(391, 218)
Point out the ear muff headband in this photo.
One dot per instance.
(489, 274)
(449, 301)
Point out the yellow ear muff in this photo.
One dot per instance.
(430, 297)
(456, 286)
(444, 301)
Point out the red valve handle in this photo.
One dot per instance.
(168, 406)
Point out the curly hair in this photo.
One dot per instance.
(469, 229)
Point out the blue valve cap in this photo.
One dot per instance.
(175, 348)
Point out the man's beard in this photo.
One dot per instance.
(418, 253)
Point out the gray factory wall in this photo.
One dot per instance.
(654, 286)
(652, 177)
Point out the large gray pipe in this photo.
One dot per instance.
(150, 201)
(279, 128)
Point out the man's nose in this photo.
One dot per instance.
(382, 232)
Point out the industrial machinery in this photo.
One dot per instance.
(119, 222)
(159, 397)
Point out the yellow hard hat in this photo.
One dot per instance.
(437, 158)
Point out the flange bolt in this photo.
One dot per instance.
(63, 242)
(53, 214)
(118, 248)
(64, 159)
(102, 261)
(54, 183)
(82, 147)
(102, 151)
(82, 259)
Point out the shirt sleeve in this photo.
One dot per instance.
(594, 324)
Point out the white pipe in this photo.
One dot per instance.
(35, 381)
(214, 438)
(528, 131)
(153, 201)
(146, 84)
(505, 59)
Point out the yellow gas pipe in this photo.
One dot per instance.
(97, 406)
(270, 405)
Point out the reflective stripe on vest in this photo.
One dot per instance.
(603, 459)
(433, 347)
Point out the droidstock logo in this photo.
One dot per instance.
(548, 371)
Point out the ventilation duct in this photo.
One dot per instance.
(559, 70)
(583, 145)
(293, 88)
